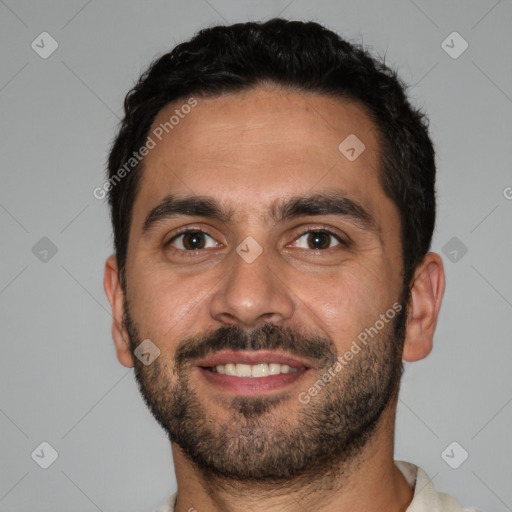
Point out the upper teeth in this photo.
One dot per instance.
(253, 370)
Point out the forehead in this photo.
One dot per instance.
(254, 147)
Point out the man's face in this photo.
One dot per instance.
(271, 281)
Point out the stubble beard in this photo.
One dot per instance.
(257, 443)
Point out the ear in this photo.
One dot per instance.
(115, 295)
(423, 308)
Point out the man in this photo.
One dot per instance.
(273, 203)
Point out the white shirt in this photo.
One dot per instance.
(425, 499)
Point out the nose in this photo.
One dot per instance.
(251, 294)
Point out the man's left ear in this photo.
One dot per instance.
(423, 308)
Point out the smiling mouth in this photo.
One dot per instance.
(252, 370)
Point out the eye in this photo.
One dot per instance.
(317, 240)
(191, 240)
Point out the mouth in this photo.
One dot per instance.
(246, 373)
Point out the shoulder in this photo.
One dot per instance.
(426, 497)
(168, 506)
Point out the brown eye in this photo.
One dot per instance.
(317, 240)
(191, 240)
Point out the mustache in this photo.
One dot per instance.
(266, 337)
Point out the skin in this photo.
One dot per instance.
(249, 150)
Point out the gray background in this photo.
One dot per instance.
(60, 381)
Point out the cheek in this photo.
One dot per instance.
(342, 304)
(163, 306)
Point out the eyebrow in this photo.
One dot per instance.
(327, 203)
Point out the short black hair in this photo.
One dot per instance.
(295, 55)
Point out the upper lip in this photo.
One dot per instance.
(251, 357)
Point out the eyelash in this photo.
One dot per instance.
(304, 232)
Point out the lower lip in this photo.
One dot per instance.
(249, 386)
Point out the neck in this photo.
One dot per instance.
(368, 482)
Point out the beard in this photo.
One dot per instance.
(274, 438)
